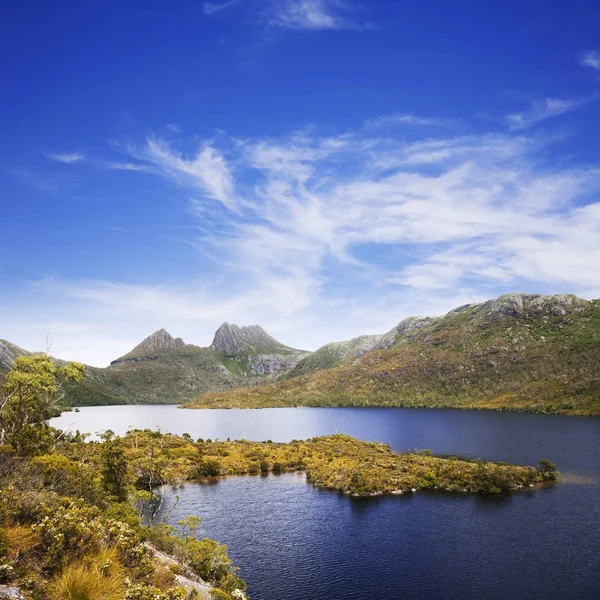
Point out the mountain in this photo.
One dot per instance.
(517, 352)
(164, 369)
(8, 353)
(158, 342)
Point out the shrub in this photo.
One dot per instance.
(207, 468)
(99, 578)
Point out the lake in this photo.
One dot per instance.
(295, 542)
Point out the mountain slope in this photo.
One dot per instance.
(164, 369)
(518, 352)
(8, 353)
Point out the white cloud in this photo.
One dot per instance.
(212, 8)
(207, 171)
(300, 15)
(591, 59)
(550, 107)
(316, 199)
(66, 158)
(124, 166)
(311, 14)
(402, 119)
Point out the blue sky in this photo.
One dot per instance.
(324, 168)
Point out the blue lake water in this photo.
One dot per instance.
(295, 542)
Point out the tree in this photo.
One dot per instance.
(114, 468)
(30, 396)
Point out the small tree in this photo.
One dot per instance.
(114, 468)
(548, 469)
(30, 396)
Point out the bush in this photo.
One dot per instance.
(207, 468)
(100, 578)
(548, 469)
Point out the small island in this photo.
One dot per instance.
(337, 462)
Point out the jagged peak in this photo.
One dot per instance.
(162, 340)
(230, 339)
(156, 342)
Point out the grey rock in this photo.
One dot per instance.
(409, 327)
(10, 592)
(232, 340)
(267, 364)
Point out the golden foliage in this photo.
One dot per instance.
(100, 577)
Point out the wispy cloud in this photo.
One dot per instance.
(475, 206)
(67, 158)
(402, 119)
(34, 180)
(312, 14)
(539, 111)
(212, 8)
(299, 15)
(591, 59)
(123, 166)
(206, 171)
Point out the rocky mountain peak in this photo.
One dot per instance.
(232, 340)
(524, 305)
(160, 340)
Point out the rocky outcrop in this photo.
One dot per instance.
(232, 340)
(268, 364)
(413, 325)
(523, 305)
(186, 578)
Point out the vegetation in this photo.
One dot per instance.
(69, 521)
(520, 352)
(69, 529)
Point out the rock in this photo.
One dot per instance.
(232, 340)
(186, 579)
(10, 592)
(267, 364)
(412, 325)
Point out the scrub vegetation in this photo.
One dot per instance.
(70, 525)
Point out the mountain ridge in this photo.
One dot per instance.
(516, 352)
(164, 369)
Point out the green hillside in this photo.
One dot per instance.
(519, 352)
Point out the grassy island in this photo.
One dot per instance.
(338, 462)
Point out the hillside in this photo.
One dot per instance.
(163, 369)
(518, 352)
